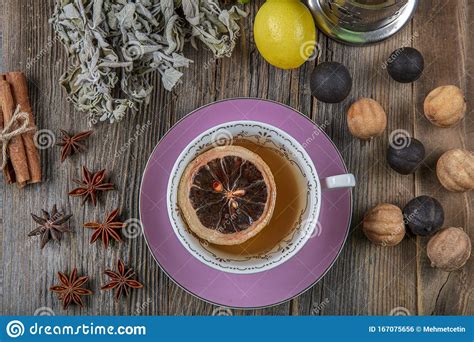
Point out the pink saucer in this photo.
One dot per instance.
(245, 290)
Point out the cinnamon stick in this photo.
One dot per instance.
(16, 149)
(19, 87)
(8, 172)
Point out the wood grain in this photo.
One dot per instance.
(440, 292)
(364, 280)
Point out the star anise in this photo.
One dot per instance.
(106, 230)
(122, 280)
(71, 143)
(51, 226)
(70, 290)
(90, 185)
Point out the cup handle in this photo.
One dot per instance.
(338, 182)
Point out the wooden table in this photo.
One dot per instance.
(365, 280)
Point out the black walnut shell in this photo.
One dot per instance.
(330, 82)
(406, 159)
(424, 215)
(405, 65)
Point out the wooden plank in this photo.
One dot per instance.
(25, 264)
(367, 279)
(441, 292)
(2, 186)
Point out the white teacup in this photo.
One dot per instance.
(269, 137)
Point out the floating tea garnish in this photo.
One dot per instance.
(227, 195)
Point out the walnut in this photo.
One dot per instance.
(449, 249)
(383, 225)
(445, 106)
(366, 118)
(455, 170)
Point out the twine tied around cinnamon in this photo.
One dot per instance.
(9, 132)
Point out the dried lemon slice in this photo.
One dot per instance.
(227, 195)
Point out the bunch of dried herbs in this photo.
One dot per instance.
(114, 44)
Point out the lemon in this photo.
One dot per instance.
(285, 33)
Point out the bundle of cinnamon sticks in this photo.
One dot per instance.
(23, 166)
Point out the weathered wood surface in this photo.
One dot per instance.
(364, 280)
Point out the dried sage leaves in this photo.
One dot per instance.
(114, 44)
